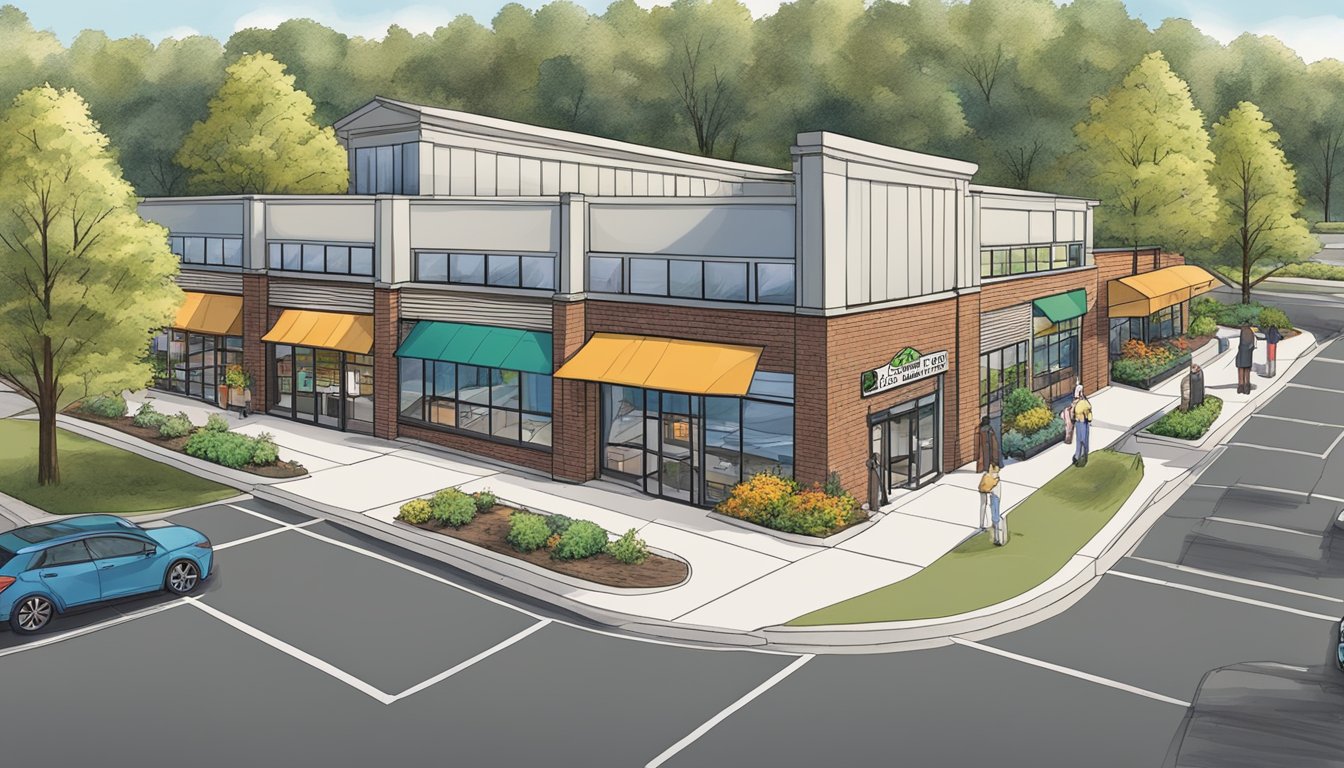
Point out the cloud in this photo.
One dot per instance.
(176, 33)
(415, 18)
(1312, 37)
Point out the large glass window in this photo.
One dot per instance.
(1026, 259)
(192, 364)
(726, 280)
(321, 258)
(604, 274)
(504, 404)
(467, 268)
(1054, 359)
(686, 279)
(766, 282)
(1001, 371)
(774, 283)
(388, 170)
(648, 276)
(207, 251)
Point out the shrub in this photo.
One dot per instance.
(264, 450)
(558, 524)
(1018, 402)
(1017, 444)
(758, 499)
(1314, 270)
(1191, 424)
(216, 423)
(629, 549)
(833, 486)
(1328, 227)
(415, 512)
(582, 539)
(527, 531)
(1237, 315)
(1205, 307)
(813, 512)
(1273, 317)
(1033, 421)
(1202, 325)
(176, 426)
(106, 406)
(147, 417)
(230, 449)
(452, 507)
(485, 501)
(237, 378)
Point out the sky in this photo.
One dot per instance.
(1314, 28)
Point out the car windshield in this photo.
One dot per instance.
(35, 534)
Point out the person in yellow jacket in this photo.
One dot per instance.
(1082, 428)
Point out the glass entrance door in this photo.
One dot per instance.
(905, 442)
(900, 452)
(926, 442)
(327, 387)
(305, 400)
(676, 466)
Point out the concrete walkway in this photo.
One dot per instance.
(743, 582)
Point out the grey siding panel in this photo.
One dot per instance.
(210, 282)
(1005, 326)
(325, 297)
(476, 308)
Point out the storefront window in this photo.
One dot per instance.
(193, 364)
(1001, 371)
(1054, 359)
(505, 404)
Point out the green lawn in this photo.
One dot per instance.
(96, 477)
(1048, 528)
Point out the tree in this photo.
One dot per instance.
(1325, 146)
(708, 44)
(260, 138)
(1146, 155)
(84, 280)
(1258, 222)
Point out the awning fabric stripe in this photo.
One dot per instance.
(211, 313)
(672, 365)
(326, 330)
(1143, 294)
(1062, 306)
(488, 346)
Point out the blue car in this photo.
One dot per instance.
(51, 568)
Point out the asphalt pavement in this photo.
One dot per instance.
(315, 645)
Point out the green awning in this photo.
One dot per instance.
(1062, 306)
(485, 345)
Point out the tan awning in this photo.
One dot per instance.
(1142, 295)
(325, 330)
(672, 365)
(211, 313)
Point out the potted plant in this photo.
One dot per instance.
(239, 383)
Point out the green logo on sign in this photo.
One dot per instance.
(869, 380)
(905, 357)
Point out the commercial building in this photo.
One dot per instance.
(590, 308)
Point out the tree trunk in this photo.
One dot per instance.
(1246, 279)
(48, 469)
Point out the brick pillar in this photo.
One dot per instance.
(575, 406)
(255, 325)
(961, 387)
(386, 338)
(811, 399)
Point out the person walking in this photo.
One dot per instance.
(1272, 339)
(1245, 356)
(988, 482)
(996, 518)
(986, 446)
(1082, 427)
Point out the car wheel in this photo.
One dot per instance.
(182, 577)
(31, 614)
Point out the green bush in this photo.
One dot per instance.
(1017, 444)
(453, 507)
(264, 450)
(1034, 420)
(629, 549)
(106, 406)
(216, 423)
(229, 449)
(1328, 227)
(1191, 424)
(1202, 325)
(485, 501)
(1273, 317)
(147, 417)
(1313, 270)
(176, 426)
(832, 485)
(1205, 307)
(415, 512)
(1137, 373)
(528, 531)
(1237, 315)
(582, 539)
(558, 524)
(1018, 402)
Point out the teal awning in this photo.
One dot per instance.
(1062, 306)
(485, 345)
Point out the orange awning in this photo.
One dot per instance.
(1143, 294)
(327, 330)
(211, 313)
(673, 365)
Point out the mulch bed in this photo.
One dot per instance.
(491, 529)
(280, 469)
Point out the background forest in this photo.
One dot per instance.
(999, 82)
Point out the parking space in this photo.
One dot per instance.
(1287, 435)
(223, 524)
(1313, 405)
(1323, 374)
(1250, 466)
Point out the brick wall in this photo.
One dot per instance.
(538, 459)
(574, 404)
(386, 339)
(774, 331)
(1095, 326)
(256, 322)
(811, 403)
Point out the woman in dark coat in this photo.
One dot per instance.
(1245, 353)
(987, 447)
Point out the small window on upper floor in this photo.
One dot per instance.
(388, 170)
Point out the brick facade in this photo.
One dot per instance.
(256, 323)
(574, 404)
(1093, 333)
(386, 339)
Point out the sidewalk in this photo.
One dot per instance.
(743, 582)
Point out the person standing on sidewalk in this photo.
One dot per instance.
(1245, 356)
(986, 446)
(988, 482)
(996, 518)
(1082, 427)
(1272, 339)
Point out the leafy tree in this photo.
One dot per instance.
(260, 138)
(1146, 155)
(1325, 124)
(84, 280)
(1258, 224)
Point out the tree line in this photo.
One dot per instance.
(1002, 83)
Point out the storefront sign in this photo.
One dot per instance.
(908, 365)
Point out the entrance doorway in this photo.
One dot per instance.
(322, 386)
(905, 443)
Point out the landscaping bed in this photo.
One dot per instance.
(781, 504)
(1029, 427)
(1045, 531)
(1145, 365)
(182, 436)
(1191, 424)
(583, 554)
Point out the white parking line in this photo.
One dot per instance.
(691, 737)
(1223, 596)
(1235, 579)
(72, 634)
(1282, 450)
(289, 650)
(1318, 389)
(1308, 422)
(487, 653)
(1262, 526)
(265, 534)
(1071, 672)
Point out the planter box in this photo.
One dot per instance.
(1179, 364)
(240, 397)
(1036, 449)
